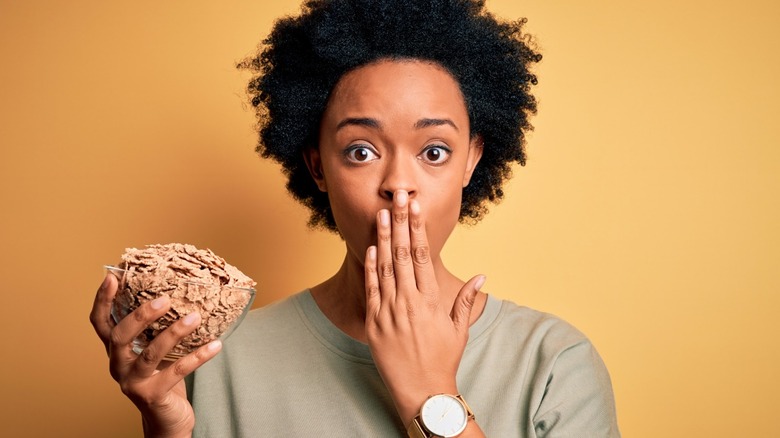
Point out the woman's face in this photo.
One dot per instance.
(388, 126)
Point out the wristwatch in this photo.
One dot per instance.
(442, 415)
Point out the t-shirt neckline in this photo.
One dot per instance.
(350, 348)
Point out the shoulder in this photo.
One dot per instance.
(273, 327)
(577, 387)
(268, 328)
(543, 331)
(554, 343)
(536, 344)
(277, 313)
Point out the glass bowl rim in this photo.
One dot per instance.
(252, 290)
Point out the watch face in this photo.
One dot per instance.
(444, 415)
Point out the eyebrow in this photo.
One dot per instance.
(360, 121)
(425, 123)
(374, 123)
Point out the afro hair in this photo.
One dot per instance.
(298, 65)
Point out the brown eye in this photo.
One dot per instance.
(360, 154)
(436, 154)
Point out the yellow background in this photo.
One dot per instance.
(648, 214)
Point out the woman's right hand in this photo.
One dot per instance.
(156, 387)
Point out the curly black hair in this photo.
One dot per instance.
(298, 65)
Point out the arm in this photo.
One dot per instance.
(417, 342)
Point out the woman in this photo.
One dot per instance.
(393, 120)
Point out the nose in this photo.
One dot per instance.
(398, 175)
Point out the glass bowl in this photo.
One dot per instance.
(222, 308)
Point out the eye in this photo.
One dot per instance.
(436, 154)
(360, 154)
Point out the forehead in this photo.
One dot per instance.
(397, 89)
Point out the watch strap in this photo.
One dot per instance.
(416, 430)
(469, 412)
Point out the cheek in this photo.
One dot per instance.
(349, 192)
(441, 210)
(350, 207)
(354, 211)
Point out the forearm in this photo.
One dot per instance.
(155, 431)
(472, 431)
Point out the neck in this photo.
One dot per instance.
(342, 297)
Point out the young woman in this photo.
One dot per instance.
(393, 120)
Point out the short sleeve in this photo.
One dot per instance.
(578, 399)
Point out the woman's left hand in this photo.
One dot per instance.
(417, 340)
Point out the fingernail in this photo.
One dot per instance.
(372, 253)
(191, 318)
(401, 198)
(480, 282)
(214, 345)
(414, 207)
(158, 303)
(384, 218)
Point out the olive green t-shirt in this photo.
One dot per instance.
(288, 371)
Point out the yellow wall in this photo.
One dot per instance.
(648, 215)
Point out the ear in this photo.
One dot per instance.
(476, 145)
(313, 161)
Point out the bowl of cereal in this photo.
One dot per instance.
(196, 280)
